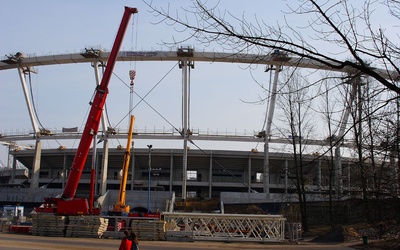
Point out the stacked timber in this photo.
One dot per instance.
(48, 225)
(148, 229)
(86, 226)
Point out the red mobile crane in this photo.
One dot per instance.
(67, 204)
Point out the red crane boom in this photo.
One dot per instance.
(67, 204)
(93, 121)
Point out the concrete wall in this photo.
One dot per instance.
(158, 199)
(250, 198)
(27, 194)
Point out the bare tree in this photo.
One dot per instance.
(345, 28)
(329, 112)
(295, 103)
(358, 45)
(380, 143)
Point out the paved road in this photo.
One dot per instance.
(12, 241)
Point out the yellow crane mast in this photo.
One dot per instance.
(121, 207)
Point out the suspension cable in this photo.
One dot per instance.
(142, 99)
(221, 166)
(33, 99)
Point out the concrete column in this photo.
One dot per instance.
(28, 101)
(64, 172)
(271, 110)
(38, 148)
(133, 165)
(14, 169)
(286, 174)
(104, 168)
(36, 165)
(185, 122)
(94, 166)
(210, 175)
(171, 170)
(348, 176)
(338, 181)
(343, 123)
(249, 175)
(185, 65)
(319, 180)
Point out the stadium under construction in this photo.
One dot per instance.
(189, 172)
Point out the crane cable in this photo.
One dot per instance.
(142, 99)
(132, 75)
(132, 72)
(34, 105)
(33, 100)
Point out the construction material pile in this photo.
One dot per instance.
(86, 226)
(69, 226)
(148, 229)
(48, 225)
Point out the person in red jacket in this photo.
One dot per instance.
(126, 242)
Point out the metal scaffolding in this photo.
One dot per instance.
(226, 227)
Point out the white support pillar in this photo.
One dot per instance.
(348, 177)
(171, 170)
(36, 165)
(133, 165)
(319, 180)
(36, 131)
(268, 130)
(210, 176)
(286, 175)
(249, 175)
(185, 121)
(28, 102)
(14, 170)
(342, 129)
(94, 165)
(64, 172)
(104, 169)
(185, 65)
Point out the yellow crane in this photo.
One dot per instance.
(121, 207)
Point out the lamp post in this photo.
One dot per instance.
(148, 186)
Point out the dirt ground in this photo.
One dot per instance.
(364, 236)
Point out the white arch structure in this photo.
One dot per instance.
(185, 57)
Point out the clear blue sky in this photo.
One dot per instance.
(61, 93)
